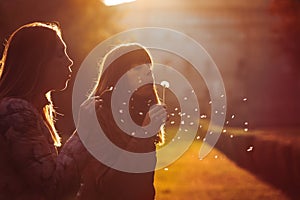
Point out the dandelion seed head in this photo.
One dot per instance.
(165, 84)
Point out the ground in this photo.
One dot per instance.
(213, 178)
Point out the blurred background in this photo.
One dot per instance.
(255, 45)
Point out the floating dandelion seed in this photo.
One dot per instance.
(200, 126)
(250, 148)
(246, 123)
(193, 91)
(182, 122)
(204, 139)
(185, 98)
(140, 81)
(222, 113)
(129, 91)
(188, 116)
(222, 95)
(121, 111)
(166, 169)
(216, 156)
(224, 131)
(198, 137)
(172, 122)
(232, 116)
(246, 129)
(176, 109)
(210, 102)
(140, 113)
(192, 123)
(122, 120)
(245, 99)
(146, 132)
(178, 137)
(111, 88)
(124, 103)
(231, 136)
(227, 122)
(172, 114)
(216, 112)
(210, 132)
(133, 133)
(203, 116)
(185, 130)
(196, 109)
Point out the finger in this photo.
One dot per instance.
(157, 113)
(157, 108)
(159, 117)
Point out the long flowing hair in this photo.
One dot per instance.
(25, 53)
(115, 64)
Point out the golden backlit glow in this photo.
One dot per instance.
(116, 2)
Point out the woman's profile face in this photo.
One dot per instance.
(58, 68)
(141, 78)
(139, 75)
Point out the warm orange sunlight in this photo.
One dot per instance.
(116, 2)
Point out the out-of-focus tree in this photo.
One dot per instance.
(288, 27)
(288, 31)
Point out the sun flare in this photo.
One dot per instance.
(116, 2)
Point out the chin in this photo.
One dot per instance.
(62, 87)
(66, 85)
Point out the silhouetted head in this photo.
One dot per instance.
(34, 61)
(120, 60)
(135, 63)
